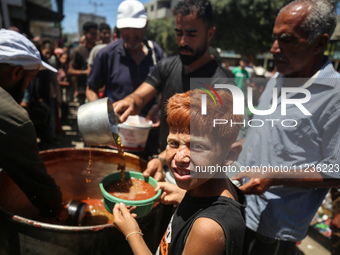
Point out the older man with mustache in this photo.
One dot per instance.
(304, 151)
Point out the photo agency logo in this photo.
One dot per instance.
(240, 101)
(204, 97)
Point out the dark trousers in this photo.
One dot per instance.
(256, 244)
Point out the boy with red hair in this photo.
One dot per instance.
(209, 218)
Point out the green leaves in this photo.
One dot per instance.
(243, 26)
(162, 31)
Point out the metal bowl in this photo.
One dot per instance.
(97, 122)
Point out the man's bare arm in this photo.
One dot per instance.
(91, 95)
(76, 72)
(133, 103)
(306, 179)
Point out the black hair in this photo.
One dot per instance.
(89, 25)
(116, 31)
(202, 8)
(47, 44)
(213, 51)
(245, 59)
(103, 26)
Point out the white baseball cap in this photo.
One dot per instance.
(131, 13)
(17, 50)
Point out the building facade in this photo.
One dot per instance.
(32, 17)
(159, 9)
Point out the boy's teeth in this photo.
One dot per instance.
(183, 172)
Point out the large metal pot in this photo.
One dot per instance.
(19, 234)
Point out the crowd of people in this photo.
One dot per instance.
(267, 213)
(48, 95)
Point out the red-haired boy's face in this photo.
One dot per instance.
(185, 153)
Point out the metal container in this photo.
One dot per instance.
(20, 234)
(97, 122)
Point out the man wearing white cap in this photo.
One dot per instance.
(20, 61)
(124, 64)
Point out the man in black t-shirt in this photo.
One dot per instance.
(194, 30)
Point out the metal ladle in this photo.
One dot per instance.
(76, 211)
(97, 122)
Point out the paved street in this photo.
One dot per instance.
(310, 247)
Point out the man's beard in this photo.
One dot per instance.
(16, 91)
(189, 59)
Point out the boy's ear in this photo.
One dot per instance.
(235, 150)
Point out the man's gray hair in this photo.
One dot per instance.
(322, 19)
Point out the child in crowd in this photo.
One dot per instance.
(65, 85)
(210, 217)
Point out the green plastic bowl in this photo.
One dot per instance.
(143, 206)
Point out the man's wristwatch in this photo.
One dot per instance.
(158, 157)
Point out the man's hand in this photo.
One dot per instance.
(154, 169)
(153, 115)
(127, 106)
(256, 186)
(87, 71)
(90, 94)
(171, 194)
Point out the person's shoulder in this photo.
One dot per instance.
(216, 70)
(115, 44)
(328, 71)
(156, 46)
(75, 51)
(10, 110)
(112, 47)
(222, 72)
(235, 69)
(109, 49)
(169, 62)
(203, 226)
(205, 234)
(98, 47)
(81, 51)
(78, 49)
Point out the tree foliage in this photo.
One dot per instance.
(242, 26)
(245, 26)
(162, 31)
